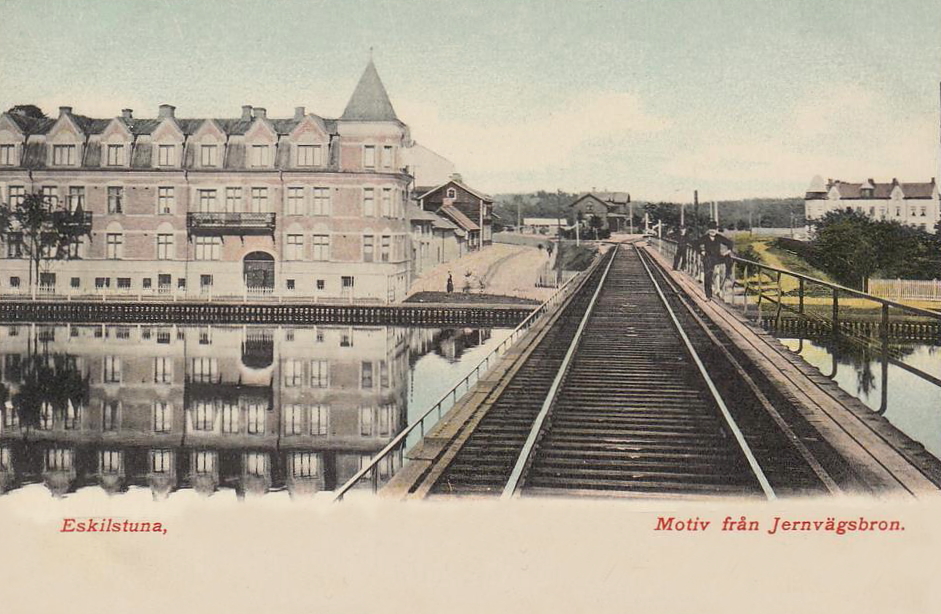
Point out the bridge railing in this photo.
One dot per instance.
(767, 294)
(449, 399)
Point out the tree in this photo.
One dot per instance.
(846, 248)
(27, 110)
(38, 228)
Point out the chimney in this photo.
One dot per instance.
(895, 181)
(246, 112)
(166, 110)
(871, 181)
(261, 113)
(299, 113)
(127, 114)
(65, 110)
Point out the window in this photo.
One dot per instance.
(346, 339)
(233, 199)
(383, 374)
(452, 193)
(63, 155)
(204, 416)
(366, 375)
(898, 211)
(112, 370)
(76, 197)
(164, 246)
(387, 156)
(293, 419)
(309, 155)
(102, 282)
(75, 247)
(14, 282)
(346, 282)
(293, 373)
(294, 250)
(319, 419)
(369, 156)
(146, 283)
(161, 461)
(208, 155)
(166, 200)
(924, 211)
(255, 419)
(115, 155)
(115, 199)
(320, 284)
(290, 285)
(205, 462)
(321, 247)
(7, 155)
(259, 200)
(386, 248)
(205, 281)
(14, 241)
(165, 155)
(204, 370)
(369, 202)
(368, 248)
(124, 283)
(163, 281)
(110, 415)
(50, 194)
(230, 418)
(207, 200)
(208, 248)
(75, 282)
(319, 374)
(162, 417)
(181, 284)
(163, 370)
(387, 202)
(260, 156)
(114, 245)
(295, 201)
(16, 194)
(321, 201)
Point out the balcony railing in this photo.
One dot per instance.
(230, 223)
(81, 219)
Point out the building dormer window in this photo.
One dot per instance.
(166, 155)
(369, 156)
(452, 193)
(7, 155)
(63, 155)
(115, 155)
(309, 155)
(261, 156)
(208, 155)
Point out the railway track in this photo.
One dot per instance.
(632, 394)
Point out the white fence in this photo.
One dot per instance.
(906, 289)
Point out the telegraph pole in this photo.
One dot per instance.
(696, 208)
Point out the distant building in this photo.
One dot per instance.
(470, 210)
(543, 225)
(612, 208)
(915, 204)
(435, 239)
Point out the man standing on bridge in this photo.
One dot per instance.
(712, 256)
(682, 243)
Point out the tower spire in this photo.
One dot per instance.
(370, 101)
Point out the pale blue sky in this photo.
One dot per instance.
(733, 97)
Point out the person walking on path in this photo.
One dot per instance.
(712, 256)
(450, 284)
(682, 243)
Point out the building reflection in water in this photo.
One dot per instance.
(246, 408)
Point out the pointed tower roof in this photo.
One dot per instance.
(369, 101)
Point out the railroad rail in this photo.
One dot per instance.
(631, 393)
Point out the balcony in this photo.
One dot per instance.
(225, 223)
(81, 220)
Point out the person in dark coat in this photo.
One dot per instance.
(712, 256)
(450, 284)
(682, 244)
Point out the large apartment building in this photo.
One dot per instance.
(915, 204)
(242, 206)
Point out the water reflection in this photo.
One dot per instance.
(251, 409)
(900, 380)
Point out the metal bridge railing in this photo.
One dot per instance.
(449, 399)
(816, 304)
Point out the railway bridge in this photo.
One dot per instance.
(634, 385)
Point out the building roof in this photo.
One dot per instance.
(608, 199)
(458, 218)
(370, 101)
(424, 192)
(880, 191)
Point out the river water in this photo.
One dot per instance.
(910, 402)
(99, 410)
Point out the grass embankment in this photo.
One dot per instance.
(577, 257)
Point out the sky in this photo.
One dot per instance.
(735, 98)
